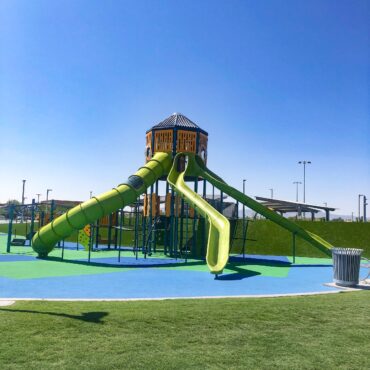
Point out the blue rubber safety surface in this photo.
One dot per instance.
(154, 283)
(162, 281)
(15, 258)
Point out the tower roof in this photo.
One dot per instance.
(177, 120)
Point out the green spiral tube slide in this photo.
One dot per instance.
(200, 169)
(99, 206)
(219, 230)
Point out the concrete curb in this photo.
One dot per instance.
(168, 298)
(4, 303)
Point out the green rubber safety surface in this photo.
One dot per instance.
(311, 261)
(247, 269)
(46, 268)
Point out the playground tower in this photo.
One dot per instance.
(176, 134)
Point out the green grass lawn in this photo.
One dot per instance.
(311, 332)
(266, 237)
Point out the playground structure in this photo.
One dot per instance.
(176, 153)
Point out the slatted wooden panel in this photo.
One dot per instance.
(155, 205)
(163, 140)
(177, 205)
(104, 221)
(186, 141)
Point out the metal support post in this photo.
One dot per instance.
(143, 227)
(10, 227)
(203, 251)
(187, 234)
(155, 215)
(90, 242)
(181, 246)
(195, 221)
(121, 223)
(166, 234)
(136, 228)
(293, 246)
(116, 230)
(151, 226)
(97, 234)
(172, 213)
(32, 226)
(109, 229)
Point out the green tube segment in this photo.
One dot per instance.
(102, 205)
(200, 169)
(219, 230)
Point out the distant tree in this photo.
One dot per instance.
(7, 209)
(13, 201)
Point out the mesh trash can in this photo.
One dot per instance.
(346, 265)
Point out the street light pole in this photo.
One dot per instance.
(272, 193)
(365, 204)
(23, 186)
(38, 197)
(47, 198)
(47, 193)
(296, 191)
(304, 178)
(91, 194)
(359, 207)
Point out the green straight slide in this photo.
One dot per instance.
(200, 169)
(97, 207)
(219, 230)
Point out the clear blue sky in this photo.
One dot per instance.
(273, 82)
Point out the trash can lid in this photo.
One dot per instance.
(347, 251)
